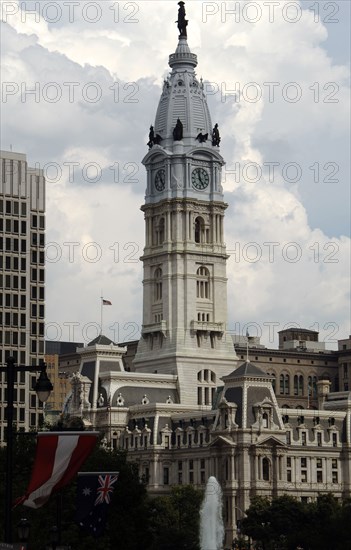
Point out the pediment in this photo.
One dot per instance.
(156, 154)
(266, 401)
(222, 441)
(205, 153)
(268, 439)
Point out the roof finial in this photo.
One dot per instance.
(181, 21)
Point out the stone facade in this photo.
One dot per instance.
(188, 406)
(295, 371)
(184, 260)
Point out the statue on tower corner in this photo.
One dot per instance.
(215, 136)
(202, 137)
(153, 139)
(182, 22)
(178, 131)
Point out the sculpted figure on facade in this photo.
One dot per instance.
(178, 131)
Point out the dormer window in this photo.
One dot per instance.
(166, 434)
(265, 420)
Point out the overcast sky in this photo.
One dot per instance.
(277, 78)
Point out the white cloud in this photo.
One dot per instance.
(112, 133)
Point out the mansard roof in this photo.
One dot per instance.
(101, 340)
(246, 369)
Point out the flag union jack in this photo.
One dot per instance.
(94, 496)
(105, 489)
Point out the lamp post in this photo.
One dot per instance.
(43, 389)
(23, 528)
(55, 536)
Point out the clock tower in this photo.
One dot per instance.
(185, 283)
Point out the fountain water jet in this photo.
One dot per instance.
(211, 521)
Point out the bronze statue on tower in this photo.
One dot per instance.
(182, 22)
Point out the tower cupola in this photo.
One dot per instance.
(183, 98)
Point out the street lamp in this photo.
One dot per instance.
(55, 536)
(23, 528)
(43, 388)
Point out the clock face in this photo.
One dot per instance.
(200, 178)
(160, 180)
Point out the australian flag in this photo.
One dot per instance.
(94, 492)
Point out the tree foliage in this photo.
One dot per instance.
(135, 521)
(286, 523)
(174, 519)
(127, 514)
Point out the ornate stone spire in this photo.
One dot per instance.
(183, 97)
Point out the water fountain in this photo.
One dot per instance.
(211, 521)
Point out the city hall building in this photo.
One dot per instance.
(186, 401)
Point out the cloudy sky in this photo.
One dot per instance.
(81, 84)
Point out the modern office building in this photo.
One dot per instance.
(22, 281)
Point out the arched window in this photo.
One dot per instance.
(200, 234)
(284, 384)
(203, 283)
(158, 230)
(273, 380)
(312, 386)
(298, 384)
(158, 284)
(161, 231)
(265, 469)
(207, 387)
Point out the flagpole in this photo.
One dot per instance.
(101, 310)
(59, 516)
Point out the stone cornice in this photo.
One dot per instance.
(183, 203)
(139, 377)
(324, 356)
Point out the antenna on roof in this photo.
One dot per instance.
(247, 345)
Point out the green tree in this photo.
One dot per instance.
(286, 523)
(256, 524)
(127, 527)
(326, 525)
(174, 519)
